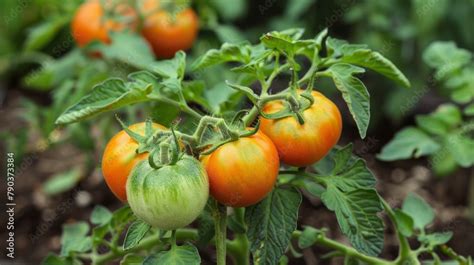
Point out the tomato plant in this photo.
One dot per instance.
(169, 189)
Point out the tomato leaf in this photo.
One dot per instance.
(346, 172)
(53, 73)
(436, 239)
(360, 55)
(271, 223)
(108, 95)
(43, 33)
(353, 91)
(135, 234)
(75, 239)
(177, 255)
(420, 211)
(356, 213)
(62, 182)
(100, 215)
(404, 222)
(127, 48)
(227, 53)
(445, 56)
(407, 143)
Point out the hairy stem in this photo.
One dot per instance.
(348, 251)
(220, 219)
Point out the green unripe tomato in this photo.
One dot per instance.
(169, 197)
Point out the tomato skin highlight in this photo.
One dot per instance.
(169, 197)
(167, 35)
(302, 145)
(88, 23)
(243, 172)
(119, 158)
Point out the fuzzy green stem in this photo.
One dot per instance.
(405, 253)
(147, 243)
(182, 106)
(220, 219)
(348, 251)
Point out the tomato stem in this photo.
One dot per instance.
(220, 219)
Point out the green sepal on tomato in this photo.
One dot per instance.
(171, 196)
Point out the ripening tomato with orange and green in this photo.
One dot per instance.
(304, 144)
(120, 158)
(242, 172)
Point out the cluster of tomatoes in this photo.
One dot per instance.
(166, 32)
(238, 174)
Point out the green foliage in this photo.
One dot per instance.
(269, 229)
(453, 68)
(178, 255)
(444, 136)
(62, 182)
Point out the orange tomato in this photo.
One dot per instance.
(243, 172)
(89, 24)
(302, 145)
(120, 158)
(168, 34)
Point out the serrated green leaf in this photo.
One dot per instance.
(43, 33)
(469, 110)
(407, 143)
(356, 213)
(128, 48)
(376, 62)
(135, 234)
(108, 95)
(360, 55)
(177, 255)
(121, 216)
(271, 223)
(445, 56)
(461, 148)
(404, 223)
(52, 73)
(436, 239)
(173, 68)
(309, 236)
(348, 172)
(228, 33)
(75, 239)
(417, 208)
(353, 91)
(62, 182)
(100, 215)
(227, 53)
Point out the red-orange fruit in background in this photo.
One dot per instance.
(89, 24)
(168, 34)
(302, 145)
